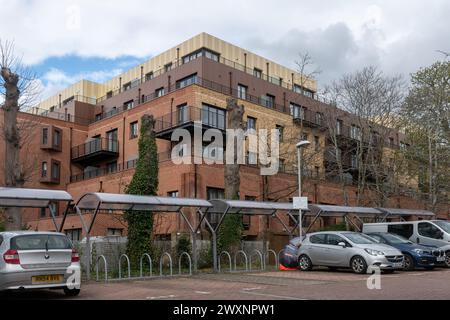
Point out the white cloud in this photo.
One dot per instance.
(342, 35)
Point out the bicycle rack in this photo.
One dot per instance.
(190, 263)
(229, 259)
(106, 267)
(267, 257)
(161, 263)
(128, 265)
(235, 259)
(141, 273)
(256, 251)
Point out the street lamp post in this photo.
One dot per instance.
(300, 145)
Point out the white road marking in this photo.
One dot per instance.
(161, 297)
(272, 295)
(251, 289)
(202, 292)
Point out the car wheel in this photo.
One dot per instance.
(358, 265)
(304, 263)
(71, 292)
(447, 259)
(408, 263)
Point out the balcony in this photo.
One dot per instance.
(94, 151)
(187, 117)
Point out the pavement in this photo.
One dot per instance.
(274, 285)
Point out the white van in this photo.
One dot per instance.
(425, 232)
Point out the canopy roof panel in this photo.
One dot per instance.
(407, 212)
(31, 198)
(249, 207)
(343, 210)
(124, 202)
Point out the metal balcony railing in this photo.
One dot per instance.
(99, 145)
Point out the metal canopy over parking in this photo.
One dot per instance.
(252, 208)
(379, 214)
(125, 202)
(34, 198)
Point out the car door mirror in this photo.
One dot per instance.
(342, 244)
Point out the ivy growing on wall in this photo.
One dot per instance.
(144, 182)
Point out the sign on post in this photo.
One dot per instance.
(301, 203)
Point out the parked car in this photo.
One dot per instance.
(345, 249)
(435, 233)
(416, 256)
(39, 260)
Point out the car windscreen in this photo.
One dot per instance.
(395, 239)
(359, 238)
(40, 242)
(444, 225)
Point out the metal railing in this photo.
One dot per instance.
(96, 145)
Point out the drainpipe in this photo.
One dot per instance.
(267, 67)
(120, 84)
(123, 142)
(142, 74)
(168, 83)
(231, 83)
(245, 62)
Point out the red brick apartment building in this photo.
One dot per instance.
(84, 139)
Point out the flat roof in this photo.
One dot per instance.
(343, 210)
(31, 198)
(407, 212)
(126, 202)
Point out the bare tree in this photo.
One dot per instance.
(372, 101)
(18, 92)
(307, 69)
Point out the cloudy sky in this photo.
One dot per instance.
(67, 40)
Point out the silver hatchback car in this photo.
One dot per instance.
(344, 249)
(39, 260)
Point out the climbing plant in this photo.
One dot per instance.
(144, 182)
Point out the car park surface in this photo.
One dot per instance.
(272, 285)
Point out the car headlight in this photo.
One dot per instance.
(418, 251)
(374, 252)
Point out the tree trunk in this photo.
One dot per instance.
(13, 170)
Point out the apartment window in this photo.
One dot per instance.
(42, 212)
(168, 67)
(355, 132)
(134, 128)
(74, 234)
(44, 169)
(98, 117)
(354, 161)
(213, 117)
(298, 89)
(308, 93)
(111, 167)
(109, 94)
(319, 118)
(127, 86)
(114, 232)
(56, 168)
(44, 136)
(112, 137)
(192, 56)
(339, 127)
(192, 79)
(173, 194)
(317, 171)
(257, 73)
(56, 138)
(268, 101)
(280, 130)
(128, 105)
(159, 92)
(282, 165)
(316, 143)
(298, 112)
(211, 55)
(149, 76)
(252, 158)
(251, 123)
(215, 193)
(213, 153)
(182, 113)
(242, 92)
(391, 142)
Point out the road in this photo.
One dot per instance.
(320, 284)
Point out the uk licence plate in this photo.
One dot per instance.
(398, 265)
(46, 279)
(440, 259)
